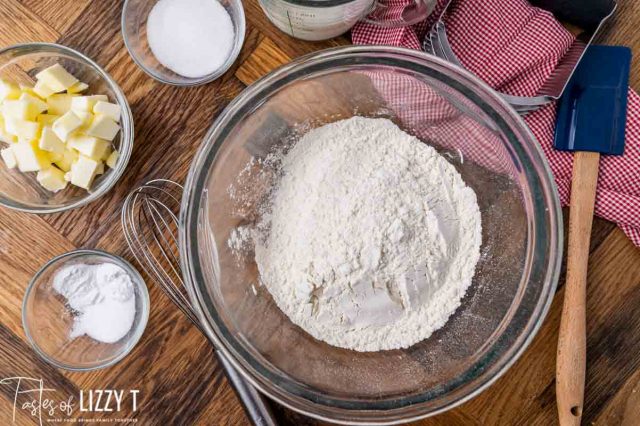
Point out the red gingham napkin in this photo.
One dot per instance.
(514, 47)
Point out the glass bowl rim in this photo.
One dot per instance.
(235, 52)
(294, 395)
(127, 131)
(140, 328)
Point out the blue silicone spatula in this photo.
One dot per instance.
(591, 121)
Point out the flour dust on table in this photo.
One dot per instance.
(369, 239)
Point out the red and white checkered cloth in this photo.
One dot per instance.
(514, 47)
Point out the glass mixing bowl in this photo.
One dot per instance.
(469, 124)
(21, 191)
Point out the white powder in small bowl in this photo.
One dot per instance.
(192, 38)
(103, 298)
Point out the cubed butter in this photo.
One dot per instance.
(4, 135)
(107, 153)
(46, 119)
(29, 157)
(9, 91)
(86, 118)
(78, 87)
(67, 176)
(23, 129)
(21, 108)
(113, 159)
(86, 103)
(39, 104)
(52, 179)
(69, 156)
(9, 158)
(89, 146)
(7, 137)
(59, 104)
(100, 169)
(50, 142)
(54, 156)
(65, 125)
(42, 90)
(83, 171)
(108, 109)
(103, 127)
(57, 78)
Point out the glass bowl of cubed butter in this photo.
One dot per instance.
(66, 129)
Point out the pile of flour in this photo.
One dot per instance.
(370, 238)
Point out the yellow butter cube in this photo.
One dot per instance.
(46, 119)
(108, 109)
(29, 157)
(59, 104)
(89, 146)
(39, 104)
(78, 87)
(86, 118)
(50, 142)
(67, 176)
(9, 158)
(107, 153)
(42, 90)
(113, 159)
(6, 137)
(23, 129)
(83, 171)
(9, 91)
(52, 179)
(26, 89)
(69, 156)
(57, 78)
(22, 109)
(54, 156)
(86, 103)
(103, 127)
(65, 125)
(100, 169)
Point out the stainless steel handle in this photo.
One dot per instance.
(254, 403)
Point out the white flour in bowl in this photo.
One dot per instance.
(370, 239)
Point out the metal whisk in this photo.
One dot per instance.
(150, 224)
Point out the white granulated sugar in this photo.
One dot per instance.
(371, 237)
(192, 38)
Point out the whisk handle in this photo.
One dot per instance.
(254, 403)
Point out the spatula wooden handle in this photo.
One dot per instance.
(572, 343)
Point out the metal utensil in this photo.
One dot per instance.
(591, 120)
(150, 224)
(588, 15)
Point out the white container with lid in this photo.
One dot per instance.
(323, 19)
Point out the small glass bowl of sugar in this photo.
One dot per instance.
(85, 309)
(183, 42)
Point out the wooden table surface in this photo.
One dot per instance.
(178, 379)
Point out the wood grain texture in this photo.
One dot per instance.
(20, 25)
(179, 379)
(59, 15)
(266, 57)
